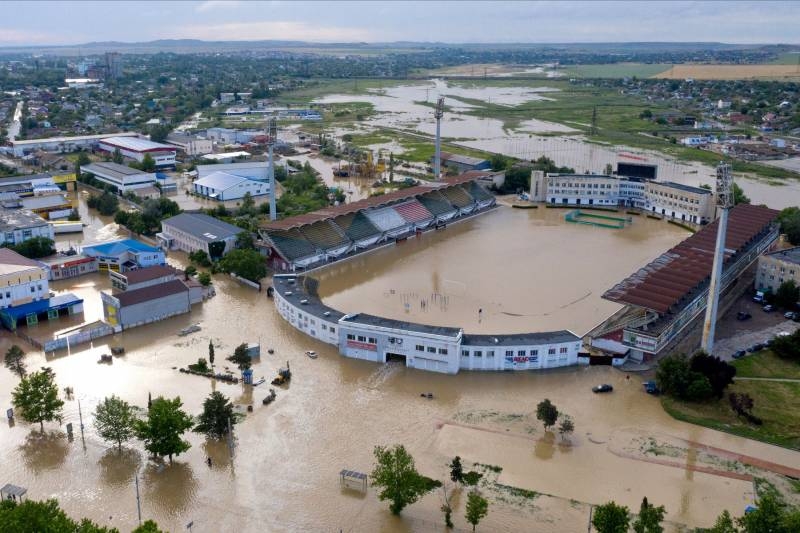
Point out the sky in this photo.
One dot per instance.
(72, 22)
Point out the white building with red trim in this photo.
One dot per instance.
(135, 148)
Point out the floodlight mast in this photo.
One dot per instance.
(272, 137)
(438, 113)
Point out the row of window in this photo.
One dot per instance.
(773, 267)
(510, 353)
(431, 349)
(362, 338)
(674, 196)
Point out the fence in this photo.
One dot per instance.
(101, 330)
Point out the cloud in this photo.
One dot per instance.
(271, 30)
(210, 5)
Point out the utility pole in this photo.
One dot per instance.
(591, 508)
(138, 500)
(230, 437)
(272, 136)
(80, 417)
(724, 204)
(438, 113)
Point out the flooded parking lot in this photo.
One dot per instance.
(284, 473)
(526, 269)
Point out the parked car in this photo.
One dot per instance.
(790, 315)
(743, 315)
(650, 387)
(768, 308)
(605, 387)
(739, 354)
(756, 347)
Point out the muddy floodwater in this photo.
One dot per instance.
(526, 269)
(283, 476)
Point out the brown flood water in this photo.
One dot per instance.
(284, 476)
(527, 269)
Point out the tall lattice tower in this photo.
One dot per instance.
(724, 204)
(272, 137)
(438, 113)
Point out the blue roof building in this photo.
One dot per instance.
(124, 255)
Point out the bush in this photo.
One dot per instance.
(35, 247)
(787, 346)
(676, 377)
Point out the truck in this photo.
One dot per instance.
(759, 297)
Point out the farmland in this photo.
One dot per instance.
(733, 72)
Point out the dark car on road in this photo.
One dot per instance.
(743, 315)
(756, 347)
(605, 387)
(650, 387)
(739, 354)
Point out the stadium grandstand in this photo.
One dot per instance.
(670, 292)
(307, 240)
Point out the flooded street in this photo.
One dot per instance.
(284, 473)
(502, 262)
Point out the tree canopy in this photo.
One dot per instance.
(114, 419)
(163, 428)
(397, 477)
(477, 508)
(35, 247)
(611, 518)
(217, 413)
(240, 358)
(248, 264)
(547, 413)
(33, 516)
(789, 220)
(649, 518)
(15, 360)
(36, 398)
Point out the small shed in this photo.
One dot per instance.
(350, 479)
(13, 492)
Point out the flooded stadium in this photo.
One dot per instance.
(283, 475)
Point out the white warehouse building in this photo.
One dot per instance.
(223, 186)
(134, 148)
(124, 178)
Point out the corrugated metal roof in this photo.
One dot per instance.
(201, 226)
(666, 280)
(153, 292)
(517, 339)
(136, 144)
(220, 181)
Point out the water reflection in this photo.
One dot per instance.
(170, 488)
(545, 446)
(117, 467)
(44, 451)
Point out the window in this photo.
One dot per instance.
(477, 353)
(420, 348)
(563, 349)
(33, 289)
(521, 353)
(464, 353)
(362, 338)
(534, 352)
(333, 330)
(313, 322)
(351, 337)
(509, 353)
(489, 353)
(551, 351)
(324, 327)
(373, 340)
(442, 351)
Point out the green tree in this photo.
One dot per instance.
(547, 413)
(472, 478)
(217, 412)
(36, 397)
(240, 358)
(211, 352)
(517, 179)
(117, 158)
(244, 241)
(81, 161)
(724, 524)
(456, 470)
(15, 360)
(787, 295)
(767, 517)
(649, 519)
(163, 428)
(676, 378)
(148, 164)
(35, 247)
(739, 197)
(248, 264)
(477, 508)
(148, 527)
(566, 426)
(787, 346)
(200, 257)
(789, 220)
(204, 278)
(611, 518)
(43, 517)
(248, 206)
(114, 419)
(397, 477)
(189, 271)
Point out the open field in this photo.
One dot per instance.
(776, 403)
(614, 70)
(732, 72)
(789, 58)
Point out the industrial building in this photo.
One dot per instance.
(143, 277)
(135, 148)
(37, 184)
(122, 177)
(191, 145)
(680, 202)
(194, 231)
(665, 296)
(463, 163)
(25, 292)
(223, 186)
(256, 170)
(227, 157)
(148, 304)
(420, 346)
(69, 266)
(124, 255)
(776, 268)
(50, 206)
(17, 225)
(63, 144)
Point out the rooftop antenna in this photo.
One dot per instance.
(438, 113)
(724, 204)
(272, 136)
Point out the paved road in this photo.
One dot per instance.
(787, 380)
(725, 348)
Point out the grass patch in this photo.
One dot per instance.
(517, 492)
(766, 364)
(494, 468)
(776, 403)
